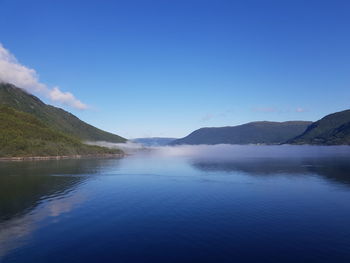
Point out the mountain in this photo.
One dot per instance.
(22, 134)
(154, 141)
(333, 129)
(263, 132)
(56, 118)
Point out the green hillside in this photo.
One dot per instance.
(55, 118)
(22, 134)
(263, 132)
(333, 129)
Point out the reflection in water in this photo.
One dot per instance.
(14, 231)
(331, 162)
(24, 184)
(215, 204)
(336, 170)
(32, 191)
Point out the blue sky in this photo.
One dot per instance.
(166, 68)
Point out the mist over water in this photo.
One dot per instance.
(229, 152)
(180, 204)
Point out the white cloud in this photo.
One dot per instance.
(300, 109)
(211, 116)
(26, 78)
(207, 117)
(66, 98)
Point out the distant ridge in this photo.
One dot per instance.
(56, 118)
(333, 129)
(263, 132)
(154, 141)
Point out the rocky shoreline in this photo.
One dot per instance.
(61, 157)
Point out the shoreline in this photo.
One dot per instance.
(62, 157)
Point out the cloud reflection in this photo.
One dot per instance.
(14, 232)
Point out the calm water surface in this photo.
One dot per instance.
(199, 204)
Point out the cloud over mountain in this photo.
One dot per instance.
(27, 78)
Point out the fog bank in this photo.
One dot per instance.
(229, 152)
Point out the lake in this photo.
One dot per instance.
(180, 204)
